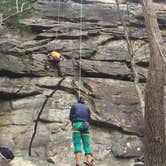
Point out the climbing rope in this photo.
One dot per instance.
(52, 93)
(40, 112)
(80, 54)
(58, 18)
(131, 53)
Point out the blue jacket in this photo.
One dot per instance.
(79, 112)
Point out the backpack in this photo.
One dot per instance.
(5, 152)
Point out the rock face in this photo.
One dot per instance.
(106, 83)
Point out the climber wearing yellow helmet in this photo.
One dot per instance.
(54, 58)
(55, 55)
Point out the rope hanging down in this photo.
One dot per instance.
(80, 55)
(58, 18)
(52, 93)
(40, 112)
(131, 53)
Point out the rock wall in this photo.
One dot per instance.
(107, 81)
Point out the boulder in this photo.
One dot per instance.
(39, 24)
(127, 146)
(21, 161)
(17, 88)
(116, 103)
(112, 51)
(71, 11)
(6, 45)
(11, 65)
(118, 70)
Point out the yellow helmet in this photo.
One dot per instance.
(55, 54)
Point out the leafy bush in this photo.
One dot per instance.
(8, 9)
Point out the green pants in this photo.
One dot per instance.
(79, 135)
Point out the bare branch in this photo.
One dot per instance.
(131, 53)
(14, 14)
(1, 18)
(17, 7)
(22, 7)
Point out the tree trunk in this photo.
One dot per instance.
(17, 6)
(154, 141)
(1, 18)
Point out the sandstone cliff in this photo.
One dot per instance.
(107, 81)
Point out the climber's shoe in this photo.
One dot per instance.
(139, 159)
(137, 164)
(89, 163)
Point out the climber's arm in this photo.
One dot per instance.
(72, 114)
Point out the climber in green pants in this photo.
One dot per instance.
(80, 116)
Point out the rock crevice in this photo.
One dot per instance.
(106, 81)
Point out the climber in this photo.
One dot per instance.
(54, 58)
(80, 116)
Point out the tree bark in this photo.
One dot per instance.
(154, 141)
(1, 18)
(17, 7)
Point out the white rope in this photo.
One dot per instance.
(58, 18)
(80, 55)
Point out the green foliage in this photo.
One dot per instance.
(8, 8)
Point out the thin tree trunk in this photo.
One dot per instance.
(132, 60)
(154, 142)
(1, 18)
(17, 7)
(15, 14)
